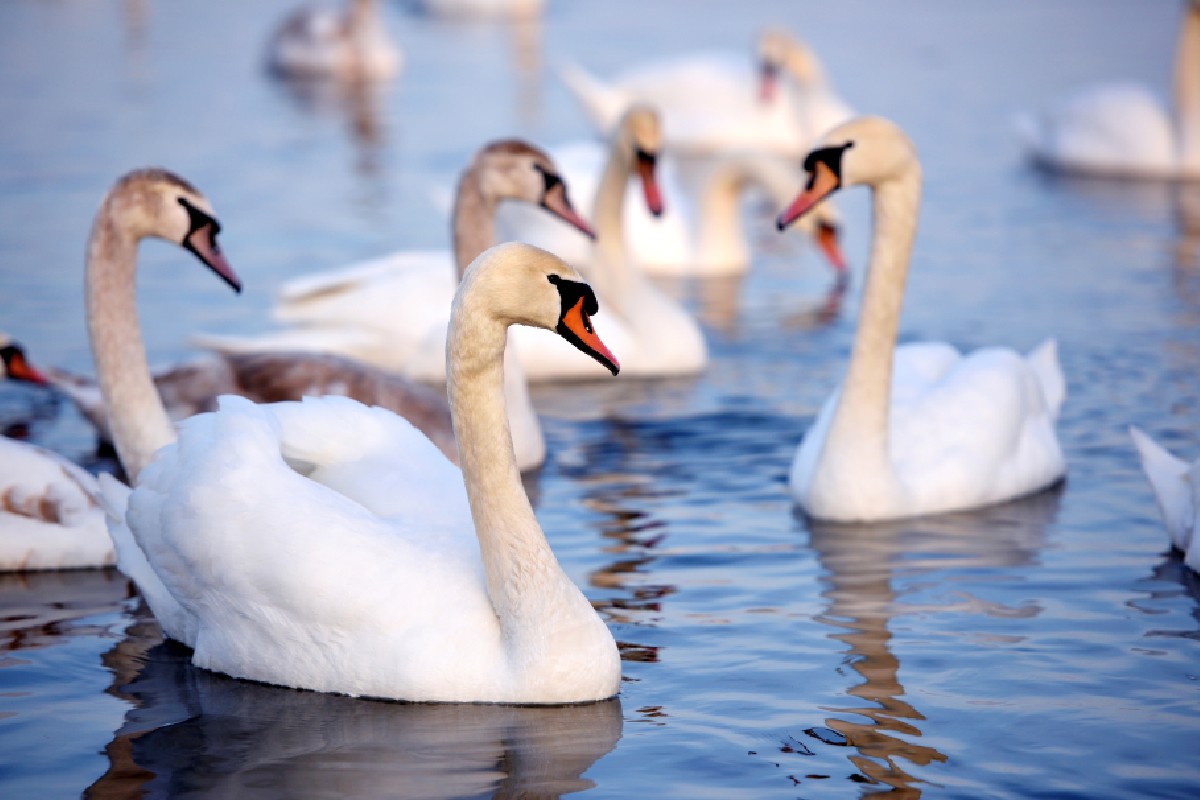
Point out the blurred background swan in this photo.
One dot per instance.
(350, 44)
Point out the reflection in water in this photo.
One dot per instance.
(42, 608)
(717, 302)
(192, 732)
(862, 562)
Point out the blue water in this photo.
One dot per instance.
(1044, 648)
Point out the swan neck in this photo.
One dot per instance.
(521, 570)
(473, 223)
(718, 216)
(139, 422)
(611, 274)
(1187, 86)
(859, 430)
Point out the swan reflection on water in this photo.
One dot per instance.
(863, 564)
(194, 732)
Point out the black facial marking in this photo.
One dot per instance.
(570, 292)
(10, 351)
(830, 157)
(550, 179)
(646, 158)
(198, 219)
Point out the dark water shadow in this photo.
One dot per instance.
(862, 563)
(198, 734)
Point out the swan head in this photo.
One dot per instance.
(14, 365)
(639, 138)
(519, 284)
(865, 150)
(780, 52)
(158, 203)
(511, 169)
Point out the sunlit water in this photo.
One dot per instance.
(1045, 648)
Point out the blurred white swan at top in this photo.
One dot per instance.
(351, 44)
(49, 515)
(714, 103)
(1176, 486)
(916, 429)
(704, 236)
(1123, 129)
(654, 333)
(481, 9)
(355, 558)
(392, 311)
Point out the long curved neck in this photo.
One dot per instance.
(473, 221)
(522, 572)
(612, 275)
(718, 216)
(858, 433)
(1187, 86)
(140, 425)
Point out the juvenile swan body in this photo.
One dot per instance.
(365, 563)
(1124, 129)
(917, 429)
(322, 43)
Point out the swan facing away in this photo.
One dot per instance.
(920, 428)
(1176, 486)
(1123, 129)
(715, 103)
(322, 43)
(654, 333)
(326, 545)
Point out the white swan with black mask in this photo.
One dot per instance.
(329, 546)
(916, 429)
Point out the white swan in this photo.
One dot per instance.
(392, 311)
(329, 546)
(920, 428)
(1176, 486)
(655, 335)
(1123, 129)
(716, 103)
(194, 387)
(348, 45)
(701, 237)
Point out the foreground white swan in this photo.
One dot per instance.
(322, 43)
(655, 334)
(392, 311)
(1123, 129)
(704, 236)
(922, 429)
(1176, 486)
(713, 104)
(329, 546)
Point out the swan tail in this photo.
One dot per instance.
(1175, 487)
(603, 104)
(1043, 360)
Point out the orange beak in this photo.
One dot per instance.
(21, 370)
(822, 184)
(768, 81)
(560, 206)
(576, 327)
(203, 243)
(645, 173)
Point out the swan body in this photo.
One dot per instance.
(654, 333)
(329, 546)
(1176, 486)
(917, 429)
(715, 103)
(49, 518)
(1124, 129)
(192, 388)
(392, 311)
(348, 45)
(705, 237)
